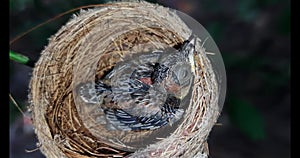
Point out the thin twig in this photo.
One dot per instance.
(54, 18)
(14, 101)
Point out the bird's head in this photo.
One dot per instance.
(188, 51)
(182, 69)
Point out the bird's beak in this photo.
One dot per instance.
(189, 47)
(191, 52)
(188, 51)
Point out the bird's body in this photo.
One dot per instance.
(143, 92)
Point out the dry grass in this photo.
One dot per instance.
(91, 43)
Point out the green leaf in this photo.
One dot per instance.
(247, 118)
(18, 57)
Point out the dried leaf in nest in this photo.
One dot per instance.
(131, 79)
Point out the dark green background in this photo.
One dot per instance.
(254, 39)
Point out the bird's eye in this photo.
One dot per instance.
(182, 72)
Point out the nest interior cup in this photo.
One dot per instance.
(127, 79)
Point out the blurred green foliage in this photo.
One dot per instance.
(216, 30)
(247, 118)
(242, 112)
(249, 9)
(19, 5)
(284, 22)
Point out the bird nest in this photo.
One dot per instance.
(87, 48)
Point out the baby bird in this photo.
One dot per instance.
(145, 91)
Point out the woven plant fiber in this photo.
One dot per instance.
(90, 44)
